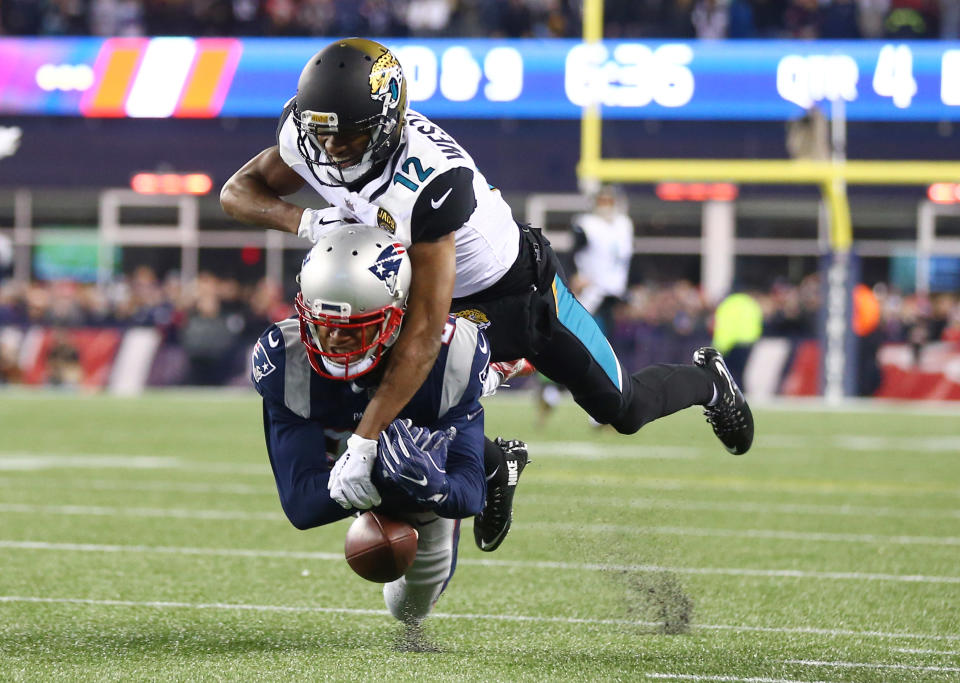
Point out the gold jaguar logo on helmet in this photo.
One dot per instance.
(386, 221)
(476, 316)
(386, 78)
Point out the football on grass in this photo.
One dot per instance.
(379, 548)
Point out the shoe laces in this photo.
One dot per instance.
(494, 513)
(725, 416)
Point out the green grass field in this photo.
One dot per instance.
(142, 539)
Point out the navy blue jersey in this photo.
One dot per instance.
(307, 419)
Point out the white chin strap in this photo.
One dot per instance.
(347, 175)
(337, 369)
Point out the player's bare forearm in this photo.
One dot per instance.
(408, 367)
(413, 356)
(253, 194)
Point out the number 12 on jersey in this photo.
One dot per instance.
(417, 167)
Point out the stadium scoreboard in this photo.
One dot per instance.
(481, 78)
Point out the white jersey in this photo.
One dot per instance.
(429, 188)
(604, 263)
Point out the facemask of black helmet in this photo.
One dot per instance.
(353, 90)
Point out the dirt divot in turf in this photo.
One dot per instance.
(658, 597)
(412, 638)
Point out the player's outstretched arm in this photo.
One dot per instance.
(253, 194)
(412, 357)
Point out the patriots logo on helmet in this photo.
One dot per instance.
(387, 266)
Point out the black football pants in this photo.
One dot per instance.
(545, 323)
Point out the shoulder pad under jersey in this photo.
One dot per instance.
(280, 369)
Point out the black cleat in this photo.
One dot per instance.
(730, 416)
(490, 527)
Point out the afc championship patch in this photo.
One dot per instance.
(476, 316)
(386, 221)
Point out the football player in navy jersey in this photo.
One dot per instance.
(316, 373)
(349, 134)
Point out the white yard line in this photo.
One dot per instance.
(191, 513)
(872, 665)
(912, 651)
(27, 461)
(105, 511)
(566, 501)
(761, 508)
(728, 485)
(866, 443)
(467, 617)
(746, 533)
(573, 566)
(737, 679)
(585, 450)
(158, 486)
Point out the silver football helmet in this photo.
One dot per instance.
(353, 290)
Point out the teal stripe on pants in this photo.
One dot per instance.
(575, 318)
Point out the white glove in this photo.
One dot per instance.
(315, 223)
(350, 484)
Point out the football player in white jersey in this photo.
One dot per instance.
(349, 134)
(603, 245)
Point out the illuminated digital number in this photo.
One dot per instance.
(582, 76)
(950, 78)
(634, 77)
(459, 74)
(503, 67)
(422, 174)
(893, 76)
(675, 84)
(65, 77)
(419, 66)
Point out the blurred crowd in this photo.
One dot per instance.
(207, 329)
(659, 323)
(212, 325)
(708, 19)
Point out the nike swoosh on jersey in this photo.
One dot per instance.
(482, 343)
(418, 482)
(435, 203)
(274, 343)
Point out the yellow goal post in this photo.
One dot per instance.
(832, 177)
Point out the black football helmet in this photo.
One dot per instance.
(353, 86)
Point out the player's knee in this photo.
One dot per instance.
(409, 602)
(605, 408)
(630, 424)
(300, 516)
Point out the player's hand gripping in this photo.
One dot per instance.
(350, 484)
(315, 223)
(414, 459)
